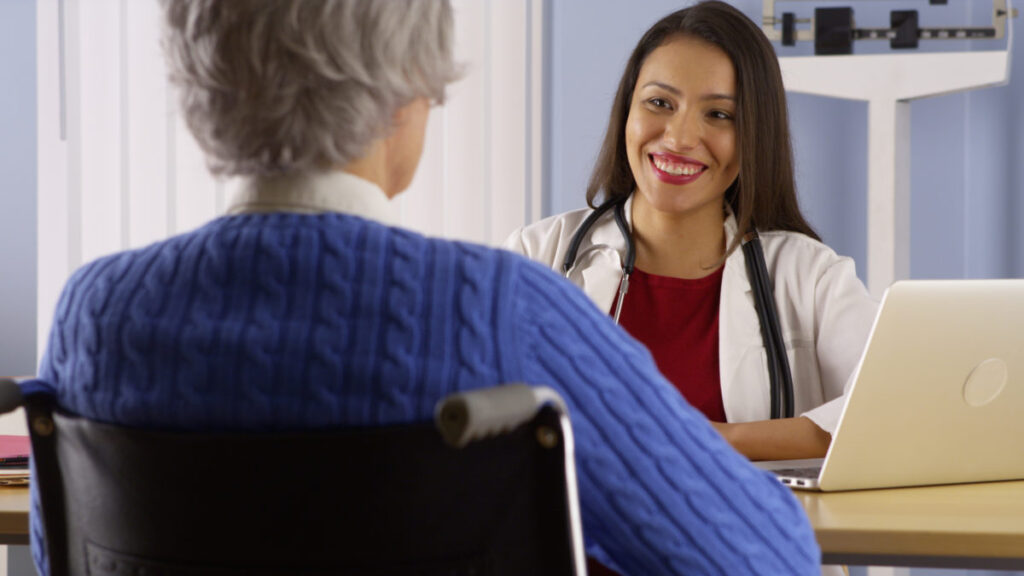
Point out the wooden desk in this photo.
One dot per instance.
(14, 504)
(961, 526)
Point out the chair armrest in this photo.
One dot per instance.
(467, 416)
(10, 395)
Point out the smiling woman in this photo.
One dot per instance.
(697, 155)
(696, 161)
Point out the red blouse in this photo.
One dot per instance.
(677, 320)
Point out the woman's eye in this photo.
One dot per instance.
(659, 103)
(720, 115)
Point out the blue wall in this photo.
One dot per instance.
(965, 187)
(17, 187)
(18, 206)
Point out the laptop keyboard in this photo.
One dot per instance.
(811, 473)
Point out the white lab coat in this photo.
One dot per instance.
(825, 312)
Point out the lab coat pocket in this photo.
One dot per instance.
(749, 399)
(745, 387)
(803, 365)
(747, 392)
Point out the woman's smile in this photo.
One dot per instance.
(677, 170)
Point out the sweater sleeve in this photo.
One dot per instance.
(661, 492)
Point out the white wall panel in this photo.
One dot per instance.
(147, 111)
(466, 124)
(421, 206)
(481, 166)
(194, 190)
(54, 208)
(99, 27)
(535, 117)
(508, 106)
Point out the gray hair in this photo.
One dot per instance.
(276, 86)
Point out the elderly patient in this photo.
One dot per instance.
(303, 308)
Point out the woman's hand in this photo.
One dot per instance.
(783, 439)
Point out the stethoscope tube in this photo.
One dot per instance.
(779, 374)
(627, 266)
(771, 333)
(588, 223)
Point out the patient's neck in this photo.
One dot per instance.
(373, 166)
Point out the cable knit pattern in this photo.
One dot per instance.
(287, 321)
(404, 311)
(475, 273)
(329, 341)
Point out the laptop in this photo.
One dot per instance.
(938, 395)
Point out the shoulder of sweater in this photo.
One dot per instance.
(542, 291)
(101, 267)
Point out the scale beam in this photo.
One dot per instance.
(888, 83)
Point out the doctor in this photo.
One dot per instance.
(697, 153)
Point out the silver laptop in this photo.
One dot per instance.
(938, 396)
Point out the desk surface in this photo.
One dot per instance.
(14, 504)
(959, 526)
(962, 526)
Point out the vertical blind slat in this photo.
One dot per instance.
(124, 83)
(52, 175)
(71, 189)
(465, 120)
(420, 206)
(147, 133)
(196, 190)
(508, 131)
(487, 192)
(100, 128)
(171, 144)
(535, 84)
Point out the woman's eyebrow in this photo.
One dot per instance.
(675, 91)
(663, 86)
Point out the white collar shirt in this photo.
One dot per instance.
(313, 193)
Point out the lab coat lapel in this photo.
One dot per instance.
(742, 370)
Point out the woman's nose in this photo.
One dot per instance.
(683, 130)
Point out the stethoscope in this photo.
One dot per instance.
(778, 363)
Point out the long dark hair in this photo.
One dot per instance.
(764, 193)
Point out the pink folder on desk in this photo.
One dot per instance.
(14, 450)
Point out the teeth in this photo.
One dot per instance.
(676, 169)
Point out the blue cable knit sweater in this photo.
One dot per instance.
(286, 321)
